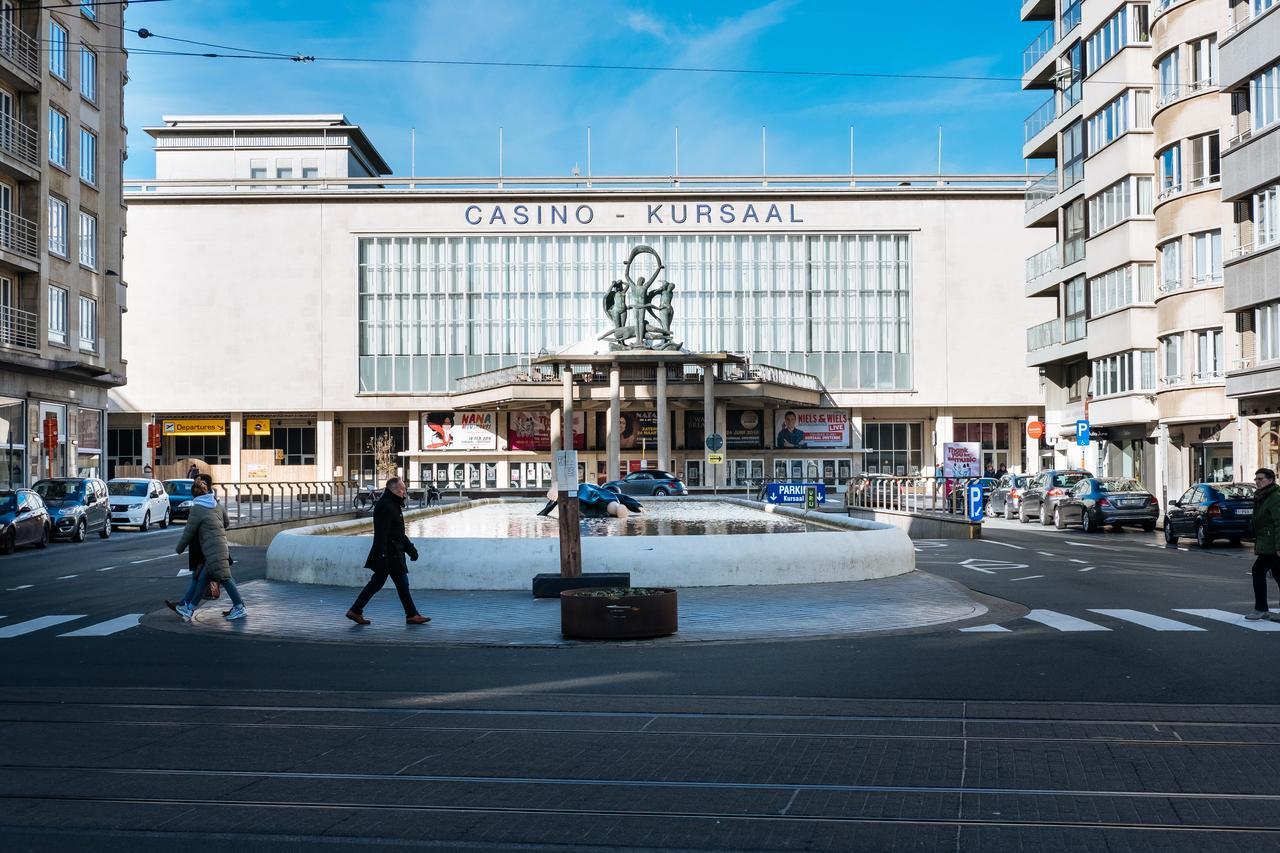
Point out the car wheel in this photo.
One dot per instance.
(1086, 522)
(105, 532)
(1008, 512)
(660, 492)
(1057, 519)
(164, 522)
(43, 541)
(1203, 539)
(1044, 515)
(9, 543)
(1169, 537)
(146, 522)
(81, 530)
(1148, 526)
(1022, 516)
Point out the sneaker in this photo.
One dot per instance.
(185, 610)
(1258, 614)
(237, 612)
(172, 605)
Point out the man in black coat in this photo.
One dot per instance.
(386, 555)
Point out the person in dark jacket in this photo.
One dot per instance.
(386, 555)
(1266, 540)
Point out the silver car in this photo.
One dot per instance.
(646, 483)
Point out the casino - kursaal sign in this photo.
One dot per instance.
(666, 213)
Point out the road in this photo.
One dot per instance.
(1121, 712)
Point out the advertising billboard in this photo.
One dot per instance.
(460, 431)
(743, 430)
(962, 459)
(810, 428)
(532, 431)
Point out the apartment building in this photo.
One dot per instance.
(1250, 73)
(1129, 139)
(62, 146)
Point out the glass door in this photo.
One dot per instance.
(693, 472)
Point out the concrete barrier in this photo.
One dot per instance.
(921, 525)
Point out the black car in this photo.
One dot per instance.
(1046, 490)
(1007, 496)
(77, 506)
(649, 482)
(1210, 511)
(180, 498)
(23, 520)
(1094, 503)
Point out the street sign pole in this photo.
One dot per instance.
(714, 442)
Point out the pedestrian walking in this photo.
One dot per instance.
(1266, 540)
(193, 472)
(207, 527)
(386, 555)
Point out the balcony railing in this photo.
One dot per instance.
(1172, 381)
(18, 47)
(19, 140)
(1043, 263)
(1256, 246)
(1037, 49)
(1245, 17)
(1043, 189)
(1169, 191)
(19, 328)
(1203, 376)
(1040, 119)
(19, 235)
(1043, 336)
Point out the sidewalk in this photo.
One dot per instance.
(284, 611)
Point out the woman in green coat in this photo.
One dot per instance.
(1266, 537)
(207, 525)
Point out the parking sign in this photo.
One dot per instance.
(973, 502)
(1083, 436)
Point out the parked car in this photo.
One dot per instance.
(77, 506)
(1094, 503)
(1210, 511)
(1007, 495)
(644, 483)
(179, 492)
(1045, 491)
(138, 501)
(23, 520)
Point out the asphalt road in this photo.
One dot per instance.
(1140, 727)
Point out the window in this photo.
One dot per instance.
(57, 138)
(57, 226)
(1131, 109)
(57, 315)
(90, 10)
(297, 444)
(361, 462)
(1204, 167)
(1171, 265)
(310, 172)
(57, 49)
(1207, 247)
(1208, 355)
(1073, 310)
(1264, 98)
(214, 449)
(1071, 64)
(88, 324)
(1073, 154)
(1075, 376)
(1169, 162)
(1127, 26)
(1124, 373)
(88, 74)
(284, 172)
(892, 448)
(1266, 216)
(1121, 287)
(88, 240)
(1171, 360)
(258, 173)
(1266, 322)
(1167, 69)
(1127, 197)
(1070, 18)
(1204, 63)
(88, 156)
(1073, 232)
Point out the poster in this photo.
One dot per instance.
(638, 430)
(744, 430)
(532, 431)
(460, 431)
(962, 459)
(808, 428)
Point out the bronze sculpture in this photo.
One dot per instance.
(641, 309)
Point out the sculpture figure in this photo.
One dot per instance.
(631, 302)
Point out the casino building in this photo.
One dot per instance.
(291, 304)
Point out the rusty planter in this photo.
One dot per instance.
(587, 614)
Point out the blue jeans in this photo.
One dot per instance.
(198, 583)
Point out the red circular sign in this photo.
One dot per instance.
(1035, 429)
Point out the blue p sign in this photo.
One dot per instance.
(973, 495)
(1082, 433)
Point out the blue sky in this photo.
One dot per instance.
(545, 112)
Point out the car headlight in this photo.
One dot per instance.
(185, 505)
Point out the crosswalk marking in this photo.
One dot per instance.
(35, 625)
(1147, 620)
(986, 629)
(1062, 621)
(111, 626)
(1232, 619)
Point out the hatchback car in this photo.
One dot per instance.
(139, 502)
(23, 520)
(1094, 503)
(645, 483)
(1210, 511)
(1046, 490)
(1007, 495)
(77, 506)
(180, 498)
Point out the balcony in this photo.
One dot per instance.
(1037, 10)
(1043, 263)
(1035, 124)
(1183, 91)
(19, 141)
(1046, 343)
(19, 235)
(19, 329)
(20, 49)
(1045, 335)
(1040, 191)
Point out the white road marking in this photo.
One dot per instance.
(986, 629)
(1044, 553)
(1088, 568)
(1003, 544)
(152, 559)
(1028, 578)
(16, 588)
(1231, 619)
(67, 577)
(35, 625)
(107, 568)
(182, 572)
(1081, 562)
(111, 626)
(1063, 622)
(1087, 545)
(1147, 620)
(990, 567)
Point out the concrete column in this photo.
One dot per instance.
(324, 446)
(944, 428)
(413, 467)
(148, 455)
(709, 420)
(1160, 488)
(237, 439)
(613, 438)
(566, 380)
(664, 421)
(555, 430)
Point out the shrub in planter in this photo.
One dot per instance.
(614, 613)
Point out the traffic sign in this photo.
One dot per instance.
(715, 458)
(1035, 429)
(973, 495)
(810, 497)
(715, 441)
(1083, 436)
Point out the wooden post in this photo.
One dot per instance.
(570, 536)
